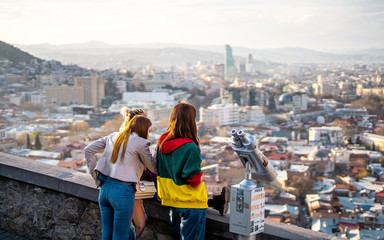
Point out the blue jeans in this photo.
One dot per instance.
(187, 223)
(117, 202)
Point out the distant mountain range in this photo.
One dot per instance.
(14, 54)
(101, 55)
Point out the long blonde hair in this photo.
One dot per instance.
(138, 124)
(129, 114)
(182, 123)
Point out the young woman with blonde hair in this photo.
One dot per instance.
(125, 156)
(139, 216)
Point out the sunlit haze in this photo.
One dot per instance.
(329, 24)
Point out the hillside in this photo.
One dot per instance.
(100, 55)
(14, 54)
(97, 55)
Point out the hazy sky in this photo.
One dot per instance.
(316, 24)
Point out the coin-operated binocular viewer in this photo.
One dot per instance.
(247, 200)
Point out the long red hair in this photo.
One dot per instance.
(182, 123)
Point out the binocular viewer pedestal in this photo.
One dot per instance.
(247, 199)
(247, 208)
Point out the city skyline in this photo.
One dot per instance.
(325, 25)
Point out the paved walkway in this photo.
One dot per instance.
(9, 236)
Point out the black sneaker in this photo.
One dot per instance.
(221, 201)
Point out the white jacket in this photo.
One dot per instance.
(137, 157)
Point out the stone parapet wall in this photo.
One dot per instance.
(40, 201)
(40, 213)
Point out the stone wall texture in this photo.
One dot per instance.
(39, 213)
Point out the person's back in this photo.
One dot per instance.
(176, 167)
(127, 169)
(125, 156)
(179, 176)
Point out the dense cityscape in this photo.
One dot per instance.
(320, 125)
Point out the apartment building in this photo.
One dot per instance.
(251, 115)
(64, 94)
(326, 135)
(221, 114)
(86, 90)
(93, 88)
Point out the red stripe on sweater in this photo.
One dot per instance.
(195, 180)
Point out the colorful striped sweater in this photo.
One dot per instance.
(179, 175)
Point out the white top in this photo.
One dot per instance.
(137, 157)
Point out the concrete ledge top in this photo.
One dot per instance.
(52, 177)
(219, 225)
(83, 186)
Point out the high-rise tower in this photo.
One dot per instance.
(249, 67)
(230, 69)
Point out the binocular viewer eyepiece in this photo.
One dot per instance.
(246, 148)
(241, 139)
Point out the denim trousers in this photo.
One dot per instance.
(187, 223)
(117, 202)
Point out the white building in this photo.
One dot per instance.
(350, 112)
(300, 100)
(13, 98)
(222, 114)
(17, 131)
(325, 86)
(165, 76)
(342, 155)
(361, 91)
(159, 112)
(38, 98)
(121, 85)
(44, 154)
(292, 102)
(159, 80)
(326, 135)
(155, 111)
(251, 115)
(47, 79)
(373, 139)
(156, 96)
